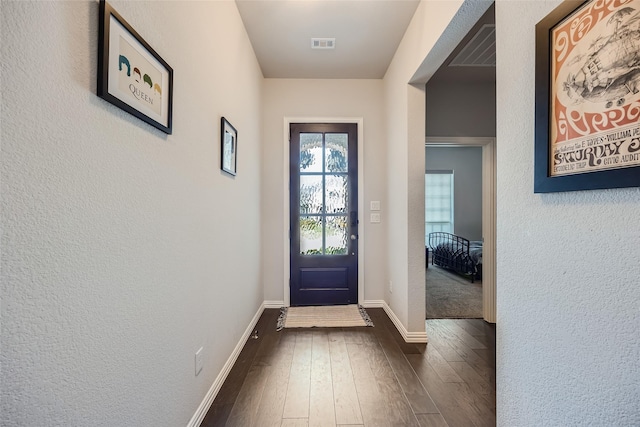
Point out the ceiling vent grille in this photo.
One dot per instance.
(480, 51)
(323, 43)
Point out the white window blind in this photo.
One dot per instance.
(438, 202)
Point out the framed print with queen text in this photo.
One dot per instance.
(131, 75)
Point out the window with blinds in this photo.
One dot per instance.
(438, 202)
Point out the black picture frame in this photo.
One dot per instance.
(228, 147)
(131, 75)
(594, 27)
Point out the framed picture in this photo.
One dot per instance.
(131, 75)
(587, 120)
(228, 147)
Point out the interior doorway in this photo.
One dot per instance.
(461, 112)
(453, 232)
(488, 214)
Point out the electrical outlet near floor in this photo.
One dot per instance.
(198, 361)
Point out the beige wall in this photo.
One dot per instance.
(301, 98)
(124, 250)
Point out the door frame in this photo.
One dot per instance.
(287, 223)
(488, 145)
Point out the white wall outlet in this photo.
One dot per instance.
(375, 218)
(390, 287)
(199, 361)
(375, 205)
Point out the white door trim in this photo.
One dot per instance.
(359, 121)
(488, 213)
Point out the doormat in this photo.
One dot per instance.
(328, 316)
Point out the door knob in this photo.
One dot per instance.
(353, 237)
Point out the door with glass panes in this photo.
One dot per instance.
(323, 214)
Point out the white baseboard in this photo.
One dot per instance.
(373, 303)
(410, 337)
(202, 410)
(273, 304)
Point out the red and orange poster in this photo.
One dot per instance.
(595, 88)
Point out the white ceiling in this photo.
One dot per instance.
(367, 34)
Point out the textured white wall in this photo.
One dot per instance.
(322, 98)
(466, 162)
(568, 301)
(461, 109)
(123, 250)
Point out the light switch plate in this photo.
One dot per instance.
(375, 205)
(375, 218)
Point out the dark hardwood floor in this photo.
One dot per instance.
(361, 377)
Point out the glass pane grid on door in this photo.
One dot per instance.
(324, 180)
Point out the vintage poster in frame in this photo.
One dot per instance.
(588, 96)
(228, 147)
(131, 75)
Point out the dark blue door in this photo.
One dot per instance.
(324, 214)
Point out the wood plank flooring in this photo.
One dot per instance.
(361, 377)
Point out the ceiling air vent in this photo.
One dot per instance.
(480, 51)
(323, 43)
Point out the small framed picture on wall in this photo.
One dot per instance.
(228, 147)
